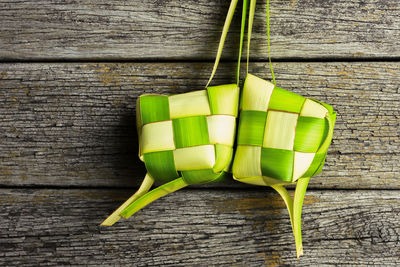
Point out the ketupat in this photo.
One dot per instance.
(186, 138)
(191, 143)
(283, 138)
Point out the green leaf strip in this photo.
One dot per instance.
(287, 199)
(153, 108)
(242, 28)
(269, 47)
(153, 195)
(249, 30)
(190, 131)
(299, 193)
(284, 100)
(251, 127)
(331, 123)
(250, 27)
(294, 207)
(200, 176)
(143, 189)
(224, 99)
(225, 29)
(309, 134)
(161, 165)
(277, 163)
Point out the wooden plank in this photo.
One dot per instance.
(74, 124)
(198, 227)
(93, 29)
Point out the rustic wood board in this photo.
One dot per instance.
(71, 127)
(198, 227)
(73, 124)
(115, 30)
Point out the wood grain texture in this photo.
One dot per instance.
(197, 227)
(74, 124)
(98, 29)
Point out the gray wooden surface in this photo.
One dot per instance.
(99, 29)
(70, 72)
(73, 124)
(198, 227)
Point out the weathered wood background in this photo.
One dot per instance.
(70, 73)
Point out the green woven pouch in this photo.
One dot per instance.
(186, 138)
(283, 138)
(188, 135)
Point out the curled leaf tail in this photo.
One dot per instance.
(143, 189)
(287, 199)
(152, 196)
(301, 188)
(294, 207)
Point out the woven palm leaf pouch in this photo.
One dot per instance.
(185, 138)
(283, 138)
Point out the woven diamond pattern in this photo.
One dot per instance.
(189, 135)
(280, 135)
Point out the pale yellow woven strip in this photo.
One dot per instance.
(302, 162)
(157, 136)
(247, 161)
(221, 129)
(256, 93)
(313, 109)
(189, 104)
(194, 158)
(280, 130)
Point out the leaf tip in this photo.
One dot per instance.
(299, 251)
(110, 220)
